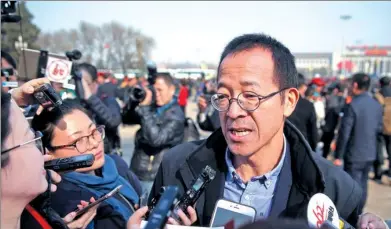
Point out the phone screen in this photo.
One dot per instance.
(98, 201)
(223, 216)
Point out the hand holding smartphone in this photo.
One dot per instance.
(98, 201)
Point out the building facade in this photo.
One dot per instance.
(314, 64)
(373, 60)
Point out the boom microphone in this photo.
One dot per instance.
(322, 213)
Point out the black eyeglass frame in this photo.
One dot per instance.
(260, 98)
(74, 144)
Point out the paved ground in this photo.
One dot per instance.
(379, 200)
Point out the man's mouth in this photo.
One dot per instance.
(239, 131)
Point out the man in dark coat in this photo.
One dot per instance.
(260, 159)
(304, 116)
(361, 124)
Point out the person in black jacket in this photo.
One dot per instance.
(104, 107)
(362, 122)
(304, 115)
(161, 129)
(69, 131)
(260, 158)
(334, 105)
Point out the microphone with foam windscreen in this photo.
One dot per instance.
(322, 213)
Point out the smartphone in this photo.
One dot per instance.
(225, 211)
(98, 201)
(159, 216)
(70, 163)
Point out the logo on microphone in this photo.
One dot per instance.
(320, 209)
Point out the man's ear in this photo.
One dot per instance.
(291, 97)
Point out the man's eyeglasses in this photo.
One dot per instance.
(247, 100)
(83, 143)
(37, 140)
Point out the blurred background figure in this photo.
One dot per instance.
(183, 94)
(304, 116)
(104, 107)
(383, 96)
(334, 104)
(357, 139)
(8, 65)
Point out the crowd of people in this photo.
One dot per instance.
(273, 134)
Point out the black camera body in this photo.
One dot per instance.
(8, 9)
(47, 96)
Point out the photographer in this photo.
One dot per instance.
(105, 109)
(208, 117)
(161, 129)
(22, 168)
(8, 64)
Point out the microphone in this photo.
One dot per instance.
(322, 213)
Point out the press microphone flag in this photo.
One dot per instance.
(322, 213)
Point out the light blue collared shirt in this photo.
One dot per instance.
(258, 192)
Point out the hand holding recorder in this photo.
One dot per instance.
(24, 95)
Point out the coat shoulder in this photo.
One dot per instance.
(340, 187)
(174, 158)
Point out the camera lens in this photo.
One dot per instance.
(137, 94)
(39, 95)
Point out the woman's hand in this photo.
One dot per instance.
(135, 220)
(23, 95)
(186, 221)
(85, 219)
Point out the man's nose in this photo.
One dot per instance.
(235, 111)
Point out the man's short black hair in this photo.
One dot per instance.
(285, 71)
(363, 81)
(166, 77)
(8, 58)
(300, 80)
(91, 69)
(385, 81)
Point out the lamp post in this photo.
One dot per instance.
(345, 17)
(20, 44)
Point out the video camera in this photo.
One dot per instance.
(8, 9)
(133, 96)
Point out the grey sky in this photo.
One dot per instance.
(200, 30)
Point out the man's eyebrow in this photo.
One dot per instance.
(222, 84)
(249, 83)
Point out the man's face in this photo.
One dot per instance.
(248, 132)
(164, 92)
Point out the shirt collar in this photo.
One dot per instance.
(273, 174)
